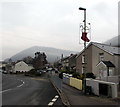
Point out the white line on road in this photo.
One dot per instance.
(5, 90)
(56, 96)
(21, 84)
(11, 88)
(51, 103)
(53, 100)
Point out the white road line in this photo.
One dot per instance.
(53, 100)
(56, 96)
(51, 103)
(5, 90)
(21, 84)
(11, 88)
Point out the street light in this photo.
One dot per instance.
(80, 8)
(84, 9)
(84, 21)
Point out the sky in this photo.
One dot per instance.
(54, 23)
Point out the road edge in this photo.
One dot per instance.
(62, 95)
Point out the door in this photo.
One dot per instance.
(103, 89)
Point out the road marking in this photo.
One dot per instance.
(53, 100)
(51, 103)
(5, 90)
(11, 88)
(21, 84)
(56, 96)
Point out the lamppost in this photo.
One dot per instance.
(85, 62)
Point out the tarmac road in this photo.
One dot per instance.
(23, 90)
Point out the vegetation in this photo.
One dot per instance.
(33, 72)
(39, 60)
(28, 60)
(90, 75)
(77, 75)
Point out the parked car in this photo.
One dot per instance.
(1, 70)
(39, 72)
(61, 75)
(5, 72)
(43, 71)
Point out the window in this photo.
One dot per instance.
(83, 59)
(83, 69)
(101, 56)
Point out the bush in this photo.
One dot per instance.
(76, 75)
(90, 75)
(82, 76)
(31, 72)
(63, 71)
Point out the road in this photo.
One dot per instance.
(23, 90)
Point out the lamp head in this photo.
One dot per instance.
(80, 8)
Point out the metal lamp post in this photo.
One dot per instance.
(84, 28)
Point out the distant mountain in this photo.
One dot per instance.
(53, 54)
(115, 41)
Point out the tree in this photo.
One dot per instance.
(28, 60)
(39, 60)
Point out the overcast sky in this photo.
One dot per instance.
(54, 23)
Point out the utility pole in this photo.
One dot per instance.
(85, 62)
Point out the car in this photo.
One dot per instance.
(43, 71)
(5, 72)
(61, 75)
(38, 72)
(1, 70)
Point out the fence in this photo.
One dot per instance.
(69, 80)
(76, 83)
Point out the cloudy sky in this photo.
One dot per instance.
(54, 23)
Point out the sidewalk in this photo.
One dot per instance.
(76, 97)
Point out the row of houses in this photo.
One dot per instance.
(100, 59)
(25, 65)
(19, 66)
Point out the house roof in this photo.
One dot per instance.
(73, 56)
(21, 62)
(107, 48)
(65, 58)
(107, 63)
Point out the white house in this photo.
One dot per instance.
(22, 67)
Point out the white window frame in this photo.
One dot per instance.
(101, 56)
(83, 58)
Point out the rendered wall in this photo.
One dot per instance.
(95, 87)
(76, 83)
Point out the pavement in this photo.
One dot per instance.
(75, 97)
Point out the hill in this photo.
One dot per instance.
(53, 54)
(113, 41)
